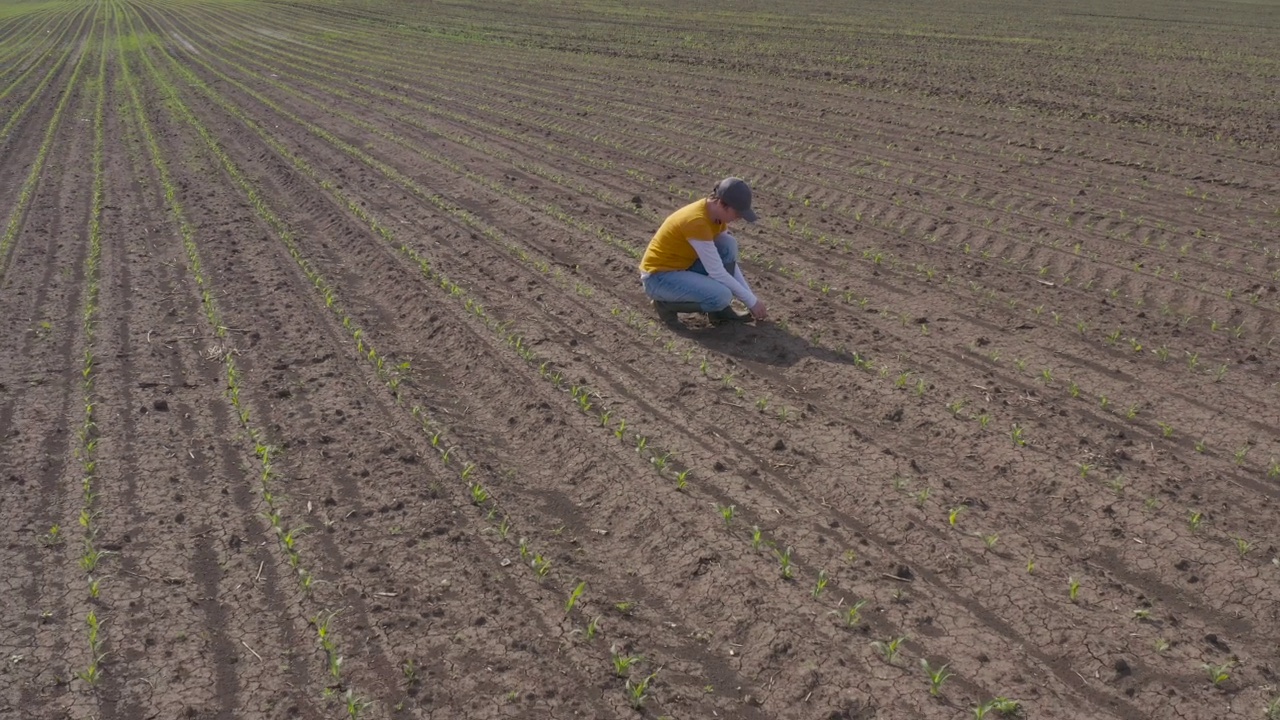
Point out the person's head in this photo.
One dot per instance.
(732, 198)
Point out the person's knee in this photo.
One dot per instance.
(717, 300)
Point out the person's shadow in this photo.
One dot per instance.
(761, 342)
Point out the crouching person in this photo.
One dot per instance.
(691, 264)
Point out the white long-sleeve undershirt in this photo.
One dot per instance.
(714, 266)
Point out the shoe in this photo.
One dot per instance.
(729, 314)
(667, 310)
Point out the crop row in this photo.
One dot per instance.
(263, 449)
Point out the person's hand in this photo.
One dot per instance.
(759, 311)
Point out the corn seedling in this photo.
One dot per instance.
(52, 537)
(726, 512)
(1031, 565)
(854, 613)
(1084, 470)
(1166, 430)
(593, 628)
(1218, 674)
(541, 566)
(1243, 546)
(573, 596)
(821, 584)
(1240, 454)
(624, 607)
(1142, 614)
(1117, 485)
(621, 661)
(888, 649)
(638, 692)
(1002, 705)
(355, 705)
(478, 494)
(1104, 402)
(1202, 445)
(756, 537)
(990, 540)
(1194, 519)
(983, 420)
(1073, 589)
(621, 430)
(682, 479)
(524, 549)
(937, 676)
(921, 497)
(956, 406)
(954, 515)
(784, 562)
(1162, 645)
(1016, 436)
(1073, 389)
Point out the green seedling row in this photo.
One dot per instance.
(263, 450)
(27, 193)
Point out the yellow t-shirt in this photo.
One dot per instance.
(670, 249)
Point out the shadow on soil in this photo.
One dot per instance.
(762, 342)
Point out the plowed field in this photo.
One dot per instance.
(328, 387)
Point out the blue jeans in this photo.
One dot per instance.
(693, 285)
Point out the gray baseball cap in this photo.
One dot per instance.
(736, 194)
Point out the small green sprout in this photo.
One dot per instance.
(638, 692)
(954, 514)
(1142, 614)
(889, 649)
(621, 661)
(757, 537)
(1031, 565)
(1162, 645)
(1243, 546)
(1073, 589)
(726, 512)
(573, 596)
(784, 561)
(1016, 436)
(682, 479)
(52, 537)
(821, 584)
(593, 627)
(854, 613)
(937, 676)
(478, 494)
(990, 540)
(921, 497)
(541, 566)
(1218, 674)
(355, 705)
(1194, 519)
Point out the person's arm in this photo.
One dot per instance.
(710, 258)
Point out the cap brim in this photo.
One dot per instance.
(749, 215)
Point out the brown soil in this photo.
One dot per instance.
(408, 238)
